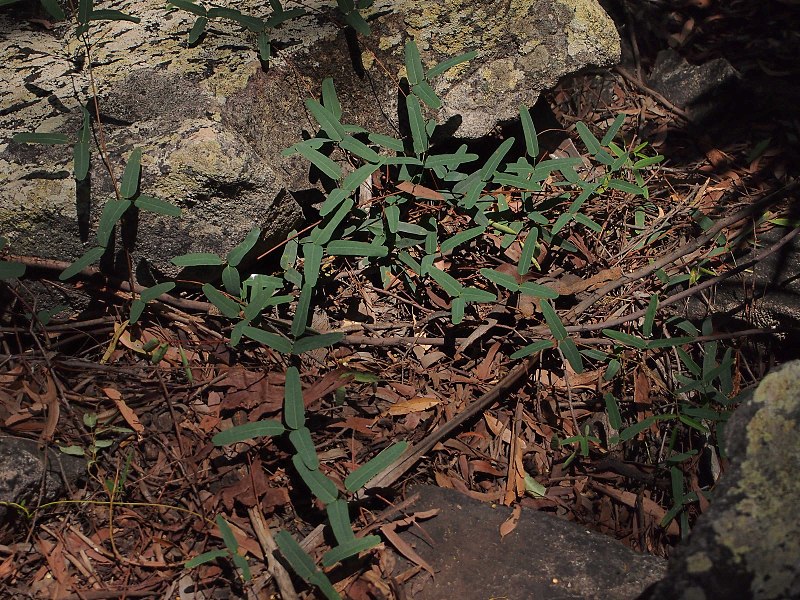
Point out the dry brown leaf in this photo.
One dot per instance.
(629, 499)
(510, 524)
(404, 547)
(484, 369)
(419, 191)
(417, 404)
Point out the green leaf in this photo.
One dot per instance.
(112, 212)
(450, 63)
(416, 122)
(612, 369)
(533, 348)
(471, 294)
(11, 269)
(81, 160)
(629, 188)
(294, 409)
(457, 307)
(323, 235)
(84, 10)
(650, 315)
(48, 139)
(264, 45)
(330, 100)
(626, 339)
(351, 548)
(611, 132)
(357, 22)
(670, 342)
(155, 291)
(232, 281)
(425, 92)
(460, 238)
(248, 431)
(314, 342)
(189, 6)
(205, 557)
(274, 341)
(322, 487)
(339, 518)
(236, 255)
(322, 162)
(252, 23)
(303, 565)
(84, 261)
(392, 214)
(130, 178)
(634, 430)
(54, 10)
(571, 353)
(241, 563)
(414, 69)
(646, 162)
(361, 476)
(227, 535)
(386, 141)
(553, 321)
(528, 250)
(300, 320)
(447, 282)
(157, 205)
(280, 17)
(504, 280)
(333, 201)
(227, 307)
(137, 308)
(531, 140)
(488, 170)
(312, 255)
(353, 248)
(197, 259)
(354, 180)
(302, 442)
(360, 149)
(105, 14)
(612, 409)
(327, 120)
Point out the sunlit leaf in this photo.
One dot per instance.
(361, 476)
(248, 431)
(300, 320)
(157, 205)
(571, 353)
(553, 321)
(274, 341)
(303, 565)
(339, 518)
(236, 255)
(304, 446)
(531, 139)
(49, 139)
(130, 178)
(322, 487)
(197, 259)
(351, 548)
(419, 136)
(314, 342)
(227, 306)
(322, 162)
(326, 119)
(353, 248)
(84, 261)
(450, 63)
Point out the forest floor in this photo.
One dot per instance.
(155, 481)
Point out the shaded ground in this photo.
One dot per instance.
(403, 371)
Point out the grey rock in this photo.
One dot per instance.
(747, 544)
(544, 557)
(211, 122)
(22, 472)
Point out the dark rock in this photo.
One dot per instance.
(747, 544)
(22, 469)
(544, 557)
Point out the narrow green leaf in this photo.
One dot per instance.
(84, 261)
(330, 100)
(571, 353)
(670, 342)
(489, 169)
(300, 319)
(322, 487)
(611, 132)
(294, 409)
(106, 14)
(357, 22)
(354, 180)
(629, 188)
(612, 369)
(471, 294)
(553, 321)
(130, 178)
(351, 548)
(414, 69)
(303, 565)
(227, 307)
(274, 341)
(647, 162)
(240, 562)
(197, 259)
(450, 63)
(112, 212)
(157, 205)
(155, 291)
(205, 557)
(419, 135)
(322, 162)
(634, 430)
(353, 248)
(53, 9)
(227, 535)
(626, 339)
(81, 160)
(386, 141)
(612, 410)
(531, 139)
(361, 476)
(339, 518)
(232, 281)
(280, 17)
(504, 280)
(360, 149)
(236, 255)
(248, 431)
(392, 213)
(327, 120)
(48, 139)
(537, 290)
(457, 307)
(650, 315)
(333, 201)
(252, 23)
(461, 238)
(312, 255)
(314, 342)
(447, 282)
(425, 92)
(323, 235)
(591, 143)
(693, 423)
(84, 10)
(528, 250)
(193, 8)
(304, 445)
